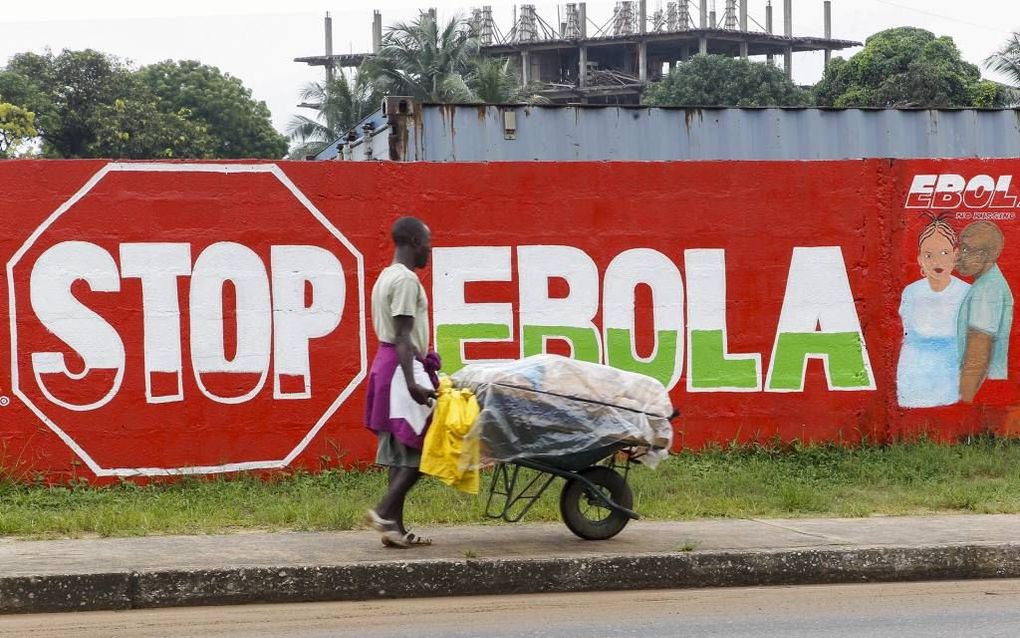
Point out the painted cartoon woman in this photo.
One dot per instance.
(928, 372)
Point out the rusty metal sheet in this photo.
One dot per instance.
(446, 133)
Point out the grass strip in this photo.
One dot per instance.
(981, 476)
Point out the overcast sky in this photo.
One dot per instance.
(257, 40)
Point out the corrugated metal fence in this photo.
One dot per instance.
(445, 133)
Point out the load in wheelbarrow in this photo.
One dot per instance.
(547, 417)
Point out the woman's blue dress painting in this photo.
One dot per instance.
(928, 372)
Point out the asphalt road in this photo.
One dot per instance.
(904, 610)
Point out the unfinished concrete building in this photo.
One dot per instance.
(580, 61)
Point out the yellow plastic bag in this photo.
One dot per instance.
(445, 454)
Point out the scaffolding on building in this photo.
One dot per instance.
(580, 60)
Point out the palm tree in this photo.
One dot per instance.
(339, 106)
(424, 61)
(1007, 62)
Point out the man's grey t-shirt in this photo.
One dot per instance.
(398, 292)
(988, 308)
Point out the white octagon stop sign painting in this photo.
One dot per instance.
(186, 319)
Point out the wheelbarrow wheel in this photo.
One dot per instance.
(585, 514)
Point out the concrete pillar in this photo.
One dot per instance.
(643, 61)
(582, 18)
(685, 53)
(376, 32)
(788, 32)
(828, 29)
(743, 28)
(582, 66)
(329, 48)
(768, 29)
(703, 45)
(712, 19)
(642, 16)
(486, 26)
(525, 67)
(703, 13)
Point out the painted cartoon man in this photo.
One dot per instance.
(986, 314)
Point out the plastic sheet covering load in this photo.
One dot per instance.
(566, 413)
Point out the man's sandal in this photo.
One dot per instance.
(391, 536)
(378, 523)
(405, 541)
(414, 539)
(394, 538)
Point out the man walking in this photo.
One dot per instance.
(401, 384)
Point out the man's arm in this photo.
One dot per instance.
(976, 357)
(405, 354)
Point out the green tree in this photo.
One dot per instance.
(906, 67)
(338, 105)
(238, 126)
(23, 92)
(1006, 61)
(64, 92)
(424, 61)
(139, 129)
(494, 81)
(91, 104)
(716, 80)
(17, 125)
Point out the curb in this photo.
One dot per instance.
(426, 578)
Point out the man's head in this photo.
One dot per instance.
(980, 246)
(410, 234)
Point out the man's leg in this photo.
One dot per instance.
(401, 480)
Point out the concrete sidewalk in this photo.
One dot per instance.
(91, 574)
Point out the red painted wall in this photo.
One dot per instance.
(757, 212)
